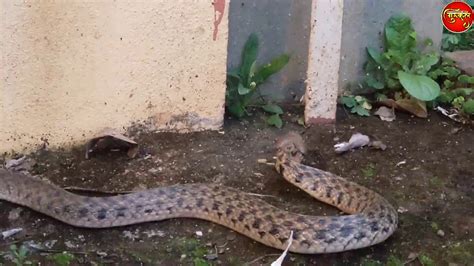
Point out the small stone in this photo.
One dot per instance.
(440, 233)
(101, 254)
(211, 256)
(402, 209)
(153, 170)
(69, 244)
(11, 232)
(199, 233)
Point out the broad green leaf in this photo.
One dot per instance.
(273, 108)
(373, 83)
(420, 87)
(446, 97)
(348, 101)
(271, 68)
(463, 91)
(359, 110)
(242, 90)
(468, 107)
(466, 79)
(399, 34)
(249, 56)
(375, 55)
(424, 64)
(275, 120)
(253, 68)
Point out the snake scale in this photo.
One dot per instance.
(370, 220)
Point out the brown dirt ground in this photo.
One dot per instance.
(433, 190)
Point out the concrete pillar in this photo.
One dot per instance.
(323, 63)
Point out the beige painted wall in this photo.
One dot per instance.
(71, 68)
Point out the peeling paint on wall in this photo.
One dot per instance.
(219, 6)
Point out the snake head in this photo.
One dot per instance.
(290, 147)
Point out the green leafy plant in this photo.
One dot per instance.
(457, 89)
(357, 104)
(369, 171)
(243, 83)
(402, 66)
(425, 260)
(193, 250)
(20, 255)
(394, 261)
(458, 41)
(411, 77)
(62, 259)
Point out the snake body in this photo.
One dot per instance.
(370, 220)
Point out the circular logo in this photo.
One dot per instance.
(457, 17)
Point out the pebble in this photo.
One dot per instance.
(211, 256)
(440, 233)
(199, 233)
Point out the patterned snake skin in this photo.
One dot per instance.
(371, 218)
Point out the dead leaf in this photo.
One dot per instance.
(377, 144)
(418, 108)
(110, 139)
(22, 164)
(386, 114)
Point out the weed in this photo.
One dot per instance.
(62, 259)
(19, 255)
(193, 250)
(458, 41)
(434, 226)
(461, 253)
(243, 83)
(425, 260)
(369, 171)
(358, 105)
(394, 261)
(437, 182)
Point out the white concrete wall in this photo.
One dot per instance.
(71, 68)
